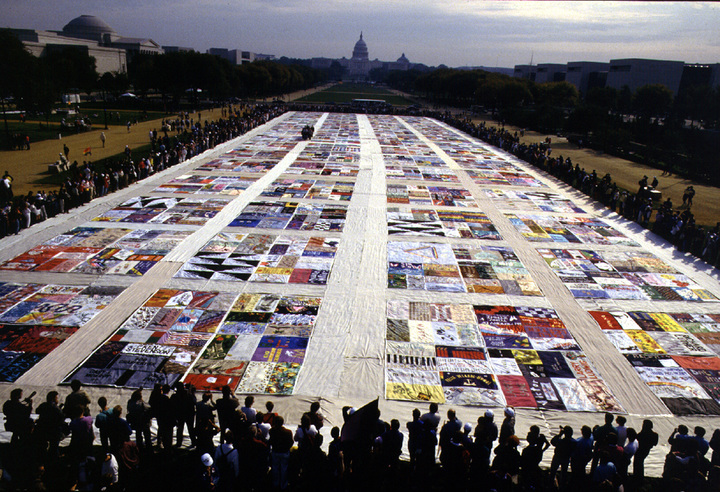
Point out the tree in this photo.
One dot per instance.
(71, 69)
(652, 100)
(514, 93)
(603, 97)
(17, 67)
(336, 71)
(625, 98)
(558, 94)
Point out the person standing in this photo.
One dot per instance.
(82, 435)
(102, 138)
(138, 416)
(225, 407)
(17, 416)
(165, 418)
(507, 428)
(448, 433)
(414, 428)
(118, 429)
(78, 398)
(564, 447)
(178, 403)
(582, 455)
(316, 417)
(647, 439)
(281, 440)
(101, 422)
(50, 426)
(66, 151)
(432, 418)
(248, 410)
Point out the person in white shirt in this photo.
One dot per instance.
(621, 430)
(109, 471)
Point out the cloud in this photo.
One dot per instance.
(460, 32)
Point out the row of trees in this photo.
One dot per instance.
(650, 124)
(172, 74)
(37, 83)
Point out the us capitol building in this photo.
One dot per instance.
(358, 67)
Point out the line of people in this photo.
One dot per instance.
(239, 447)
(676, 225)
(88, 181)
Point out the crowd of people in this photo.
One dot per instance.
(676, 224)
(179, 139)
(234, 446)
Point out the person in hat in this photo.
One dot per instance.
(507, 428)
(486, 430)
(208, 476)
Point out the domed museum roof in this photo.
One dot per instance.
(87, 25)
(360, 51)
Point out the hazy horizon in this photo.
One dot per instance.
(468, 33)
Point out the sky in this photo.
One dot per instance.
(433, 32)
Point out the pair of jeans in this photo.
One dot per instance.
(279, 467)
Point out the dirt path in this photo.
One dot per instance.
(29, 166)
(626, 174)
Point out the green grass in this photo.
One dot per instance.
(366, 89)
(347, 97)
(95, 114)
(36, 131)
(138, 153)
(37, 128)
(346, 92)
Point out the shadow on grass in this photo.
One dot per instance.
(103, 165)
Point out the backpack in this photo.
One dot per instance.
(223, 465)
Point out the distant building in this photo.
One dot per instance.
(93, 28)
(550, 72)
(93, 36)
(586, 75)
(358, 67)
(700, 74)
(502, 70)
(177, 49)
(637, 72)
(321, 63)
(525, 72)
(41, 43)
(239, 57)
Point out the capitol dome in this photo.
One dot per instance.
(360, 52)
(88, 27)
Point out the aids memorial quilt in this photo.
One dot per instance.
(292, 216)
(458, 268)
(622, 275)
(263, 258)
(204, 184)
(37, 318)
(669, 353)
(531, 200)
(310, 189)
(441, 196)
(97, 250)
(462, 354)
(441, 223)
(564, 229)
(162, 210)
(209, 339)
